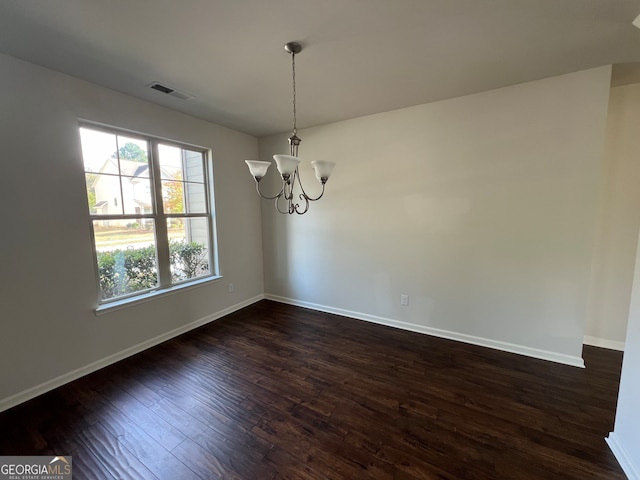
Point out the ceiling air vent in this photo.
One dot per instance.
(170, 91)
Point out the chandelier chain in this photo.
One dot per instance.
(293, 70)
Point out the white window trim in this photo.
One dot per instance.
(122, 303)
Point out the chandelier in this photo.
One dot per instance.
(287, 165)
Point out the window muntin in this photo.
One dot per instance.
(149, 201)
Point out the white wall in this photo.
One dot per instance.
(482, 209)
(625, 439)
(47, 281)
(618, 223)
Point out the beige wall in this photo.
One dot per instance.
(482, 209)
(47, 286)
(625, 438)
(618, 222)
(618, 300)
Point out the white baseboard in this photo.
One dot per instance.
(460, 337)
(33, 392)
(624, 459)
(604, 343)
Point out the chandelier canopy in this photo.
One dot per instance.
(287, 165)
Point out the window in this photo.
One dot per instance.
(149, 202)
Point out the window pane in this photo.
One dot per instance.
(134, 169)
(173, 196)
(195, 197)
(136, 195)
(97, 148)
(184, 197)
(103, 192)
(126, 256)
(133, 156)
(189, 240)
(170, 162)
(193, 166)
(116, 154)
(183, 180)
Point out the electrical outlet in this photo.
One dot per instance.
(230, 287)
(404, 300)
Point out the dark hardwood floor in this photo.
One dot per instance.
(279, 392)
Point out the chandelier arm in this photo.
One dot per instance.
(287, 189)
(267, 197)
(306, 196)
(278, 205)
(306, 199)
(287, 194)
(300, 183)
(293, 207)
(318, 197)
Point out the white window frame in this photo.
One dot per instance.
(160, 218)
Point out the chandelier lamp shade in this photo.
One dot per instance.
(291, 191)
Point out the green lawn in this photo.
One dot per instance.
(121, 236)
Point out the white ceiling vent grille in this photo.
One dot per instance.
(170, 91)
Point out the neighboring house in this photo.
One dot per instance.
(135, 196)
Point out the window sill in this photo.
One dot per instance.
(148, 296)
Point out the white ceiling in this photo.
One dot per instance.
(360, 56)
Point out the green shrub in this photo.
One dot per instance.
(140, 268)
(110, 274)
(126, 271)
(188, 260)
